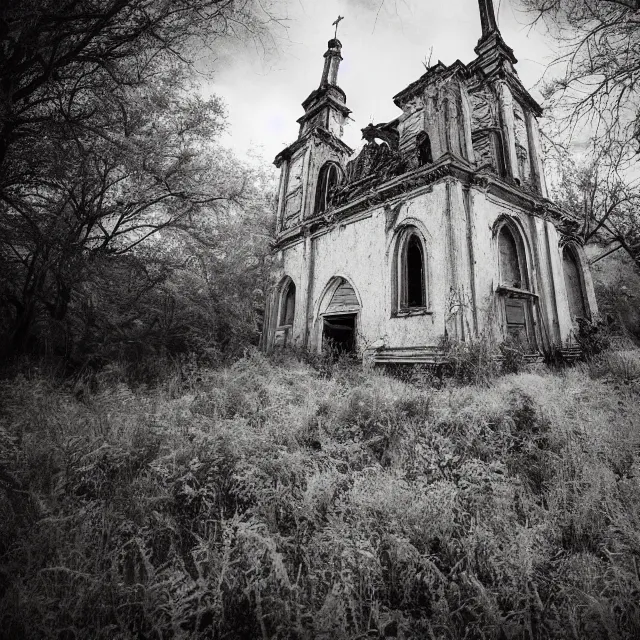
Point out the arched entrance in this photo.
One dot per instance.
(338, 315)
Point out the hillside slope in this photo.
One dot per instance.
(266, 501)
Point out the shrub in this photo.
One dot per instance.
(471, 362)
(619, 366)
(593, 337)
(512, 356)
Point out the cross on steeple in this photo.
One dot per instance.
(487, 18)
(336, 23)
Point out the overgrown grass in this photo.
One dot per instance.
(271, 501)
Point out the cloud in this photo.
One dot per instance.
(383, 50)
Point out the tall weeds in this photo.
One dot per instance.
(269, 501)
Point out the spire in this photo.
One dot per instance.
(326, 106)
(491, 48)
(487, 18)
(332, 59)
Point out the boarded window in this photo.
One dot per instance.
(573, 284)
(516, 317)
(327, 182)
(344, 299)
(510, 274)
(424, 149)
(288, 305)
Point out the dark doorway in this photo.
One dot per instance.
(339, 333)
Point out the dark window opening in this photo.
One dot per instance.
(339, 333)
(424, 149)
(510, 275)
(327, 182)
(288, 305)
(414, 276)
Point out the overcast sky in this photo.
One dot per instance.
(383, 46)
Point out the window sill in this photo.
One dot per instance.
(415, 311)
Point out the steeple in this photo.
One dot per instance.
(492, 50)
(332, 59)
(326, 106)
(487, 18)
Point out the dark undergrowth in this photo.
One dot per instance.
(269, 500)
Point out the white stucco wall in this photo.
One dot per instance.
(458, 229)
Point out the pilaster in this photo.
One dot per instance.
(460, 323)
(282, 192)
(535, 153)
(307, 294)
(565, 325)
(505, 99)
(466, 123)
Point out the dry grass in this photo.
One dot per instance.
(265, 501)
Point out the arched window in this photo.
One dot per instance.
(510, 269)
(412, 272)
(573, 284)
(328, 179)
(288, 305)
(423, 145)
(415, 273)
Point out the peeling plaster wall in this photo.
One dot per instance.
(541, 248)
(364, 253)
(290, 262)
(457, 225)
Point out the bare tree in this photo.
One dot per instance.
(49, 44)
(596, 74)
(601, 188)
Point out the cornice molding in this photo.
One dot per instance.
(421, 180)
(317, 132)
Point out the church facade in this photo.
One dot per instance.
(440, 226)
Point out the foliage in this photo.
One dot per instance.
(513, 356)
(481, 360)
(57, 56)
(271, 502)
(593, 337)
(619, 302)
(470, 362)
(107, 159)
(620, 367)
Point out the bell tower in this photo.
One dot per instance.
(319, 143)
(326, 106)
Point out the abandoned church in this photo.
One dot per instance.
(440, 226)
